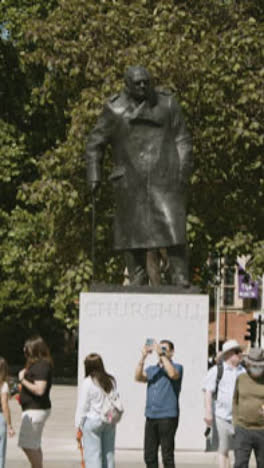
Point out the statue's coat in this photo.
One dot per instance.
(152, 162)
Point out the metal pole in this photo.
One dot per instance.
(226, 323)
(259, 330)
(93, 236)
(217, 300)
(262, 313)
(262, 295)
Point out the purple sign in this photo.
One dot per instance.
(247, 289)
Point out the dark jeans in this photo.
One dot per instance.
(160, 432)
(247, 440)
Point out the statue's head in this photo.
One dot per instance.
(138, 83)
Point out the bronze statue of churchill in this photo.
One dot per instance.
(152, 155)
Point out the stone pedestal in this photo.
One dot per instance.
(116, 325)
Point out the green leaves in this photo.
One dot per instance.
(12, 153)
(63, 60)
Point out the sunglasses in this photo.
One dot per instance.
(237, 351)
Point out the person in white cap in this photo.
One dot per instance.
(219, 389)
(248, 411)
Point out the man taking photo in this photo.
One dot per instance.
(162, 404)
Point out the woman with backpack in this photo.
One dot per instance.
(94, 416)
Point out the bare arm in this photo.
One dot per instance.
(6, 413)
(173, 373)
(38, 387)
(208, 402)
(140, 374)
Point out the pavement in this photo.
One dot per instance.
(60, 448)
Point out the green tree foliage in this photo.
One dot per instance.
(70, 55)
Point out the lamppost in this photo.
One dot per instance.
(217, 304)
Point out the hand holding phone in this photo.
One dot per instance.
(149, 344)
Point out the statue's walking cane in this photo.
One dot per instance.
(93, 236)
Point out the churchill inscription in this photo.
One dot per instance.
(125, 307)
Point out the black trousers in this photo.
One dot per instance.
(160, 432)
(247, 440)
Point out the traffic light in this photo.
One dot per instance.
(251, 332)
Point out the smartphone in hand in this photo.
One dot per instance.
(149, 344)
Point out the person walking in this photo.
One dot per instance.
(219, 389)
(98, 436)
(162, 404)
(36, 381)
(5, 415)
(248, 411)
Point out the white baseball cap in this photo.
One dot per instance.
(229, 346)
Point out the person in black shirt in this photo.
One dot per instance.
(35, 380)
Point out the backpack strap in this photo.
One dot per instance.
(219, 375)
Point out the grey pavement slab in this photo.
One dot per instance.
(60, 448)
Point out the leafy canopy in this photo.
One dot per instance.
(69, 57)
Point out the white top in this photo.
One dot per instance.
(90, 401)
(226, 387)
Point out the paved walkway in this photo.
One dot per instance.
(60, 448)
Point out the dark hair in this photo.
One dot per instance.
(169, 343)
(94, 367)
(3, 370)
(36, 349)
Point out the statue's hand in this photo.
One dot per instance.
(93, 186)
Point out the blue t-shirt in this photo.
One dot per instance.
(162, 392)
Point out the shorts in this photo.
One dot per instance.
(226, 434)
(31, 428)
